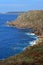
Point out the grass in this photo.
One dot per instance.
(31, 56)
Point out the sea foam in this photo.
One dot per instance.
(34, 41)
(30, 34)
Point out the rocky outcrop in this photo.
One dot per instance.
(33, 55)
(31, 19)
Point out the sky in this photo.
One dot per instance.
(20, 5)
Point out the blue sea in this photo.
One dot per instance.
(13, 40)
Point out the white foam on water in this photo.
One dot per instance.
(24, 48)
(30, 34)
(33, 43)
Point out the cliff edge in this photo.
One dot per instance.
(33, 55)
(32, 19)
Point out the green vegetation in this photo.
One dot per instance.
(31, 19)
(33, 55)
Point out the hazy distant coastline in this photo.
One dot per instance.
(32, 55)
(12, 12)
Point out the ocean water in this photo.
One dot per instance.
(13, 40)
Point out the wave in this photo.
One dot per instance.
(34, 41)
(31, 44)
(30, 34)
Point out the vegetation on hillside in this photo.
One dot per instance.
(33, 55)
(31, 19)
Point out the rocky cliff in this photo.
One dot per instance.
(33, 55)
(31, 19)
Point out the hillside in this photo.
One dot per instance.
(33, 55)
(31, 19)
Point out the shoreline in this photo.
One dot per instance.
(35, 42)
(32, 43)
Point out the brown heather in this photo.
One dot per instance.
(33, 55)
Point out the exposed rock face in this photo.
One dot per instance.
(31, 19)
(32, 55)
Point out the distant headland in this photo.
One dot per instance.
(33, 55)
(12, 12)
(31, 19)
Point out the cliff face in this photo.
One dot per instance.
(31, 19)
(32, 55)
